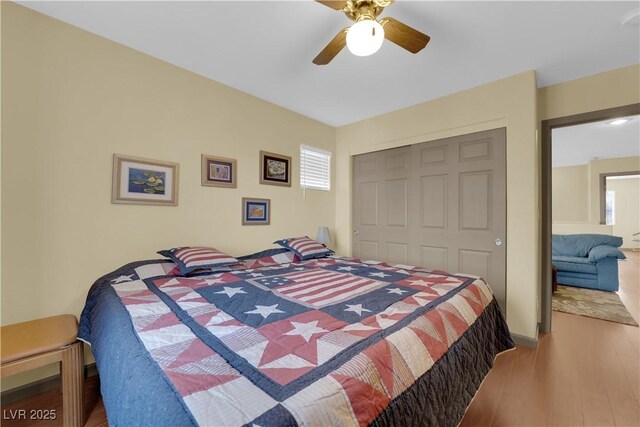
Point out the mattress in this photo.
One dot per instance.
(329, 341)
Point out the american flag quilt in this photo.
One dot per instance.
(330, 341)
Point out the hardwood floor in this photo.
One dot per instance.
(52, 400)
(585, 373)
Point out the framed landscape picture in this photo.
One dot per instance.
(219, 171)
(275, 169)
(144, 182)
(256, 211)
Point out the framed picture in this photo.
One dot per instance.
(219, 171)
(256, 211)
(275, 169)
(140, 181)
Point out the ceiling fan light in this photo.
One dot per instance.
(365, 37)
(618, 122)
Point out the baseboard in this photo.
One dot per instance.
(22, 392)
(525, 341)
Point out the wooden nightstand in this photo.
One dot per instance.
(36, 343)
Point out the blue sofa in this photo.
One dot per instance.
(587, 260)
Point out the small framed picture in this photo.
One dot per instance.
(219, 171)
(140, 181)
(275, 169)
(256, 211)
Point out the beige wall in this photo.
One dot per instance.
(70, 100)
(576, 189)
(611, 89)
(509, 103)
(627, 209)
(580, 228)
(570, 197)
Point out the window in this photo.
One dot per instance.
(315, 168)
(611, 207)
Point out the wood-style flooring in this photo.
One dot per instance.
(52, 400)
(585, 373)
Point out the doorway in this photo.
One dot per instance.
(594, 208)
(620, 188)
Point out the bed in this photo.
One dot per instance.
(280, 342)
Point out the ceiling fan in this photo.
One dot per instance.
(366, 35)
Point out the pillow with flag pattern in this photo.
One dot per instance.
(269, 257)
(189, 258)
(305, 247)
(175, 271)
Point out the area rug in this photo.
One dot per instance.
(590, 303)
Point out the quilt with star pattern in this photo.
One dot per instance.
(330, 341)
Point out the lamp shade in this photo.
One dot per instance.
(323, 236)
(365, 37)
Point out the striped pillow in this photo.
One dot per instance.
(305, 247)
(189, 259)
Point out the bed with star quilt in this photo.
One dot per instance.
(324, 342)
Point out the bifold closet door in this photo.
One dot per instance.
(439, 204)
(381, 192)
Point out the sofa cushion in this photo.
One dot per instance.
(601, 252)
(580, 244)
(573, 259)
(581, 281)
(574, 264)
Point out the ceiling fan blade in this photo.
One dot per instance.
(332, 49)
(403, 35)
(334, 4)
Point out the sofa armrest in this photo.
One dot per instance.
(603, 251)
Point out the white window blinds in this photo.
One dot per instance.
(315, 168)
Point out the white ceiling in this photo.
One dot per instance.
(265, 48)
(576, 145)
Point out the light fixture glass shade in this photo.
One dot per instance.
(323, 235)
(618, 122)
(365, 37)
